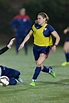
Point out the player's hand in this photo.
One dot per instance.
(21, 46)
(11, 42)
(65, 31)
(54, 48)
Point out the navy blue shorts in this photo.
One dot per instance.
(37, 50)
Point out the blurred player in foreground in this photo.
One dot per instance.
(12, 74)
(42, 44)
(66, 48)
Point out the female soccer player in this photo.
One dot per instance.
(11, 73)
(42, 44)
(66, 48)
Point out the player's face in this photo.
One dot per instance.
(41, 21)
(22, 12)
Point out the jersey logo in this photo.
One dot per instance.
(45, 29)
(24, 20)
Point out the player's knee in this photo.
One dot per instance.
(17, 73)
(38, 63)
(65, 49)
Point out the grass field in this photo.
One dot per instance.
(47, 89)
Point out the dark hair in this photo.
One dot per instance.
(44, 15)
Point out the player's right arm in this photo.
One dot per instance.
(25, 40)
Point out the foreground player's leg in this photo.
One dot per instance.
(49, 70)
(36, 73)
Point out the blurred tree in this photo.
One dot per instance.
(7, 13)
(58, 11)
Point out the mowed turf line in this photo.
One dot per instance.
(47, 89)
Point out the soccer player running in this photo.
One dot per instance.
(42, 44)
(66, 48)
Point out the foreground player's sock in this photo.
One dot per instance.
(36, 73)
(45, 69)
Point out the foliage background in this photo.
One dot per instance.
(57, 10)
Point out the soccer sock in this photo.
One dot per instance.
(45, 69)
(36, 73)
(67, 56)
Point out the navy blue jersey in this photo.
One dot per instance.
(21, 23)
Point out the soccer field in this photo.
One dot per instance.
(47, 89)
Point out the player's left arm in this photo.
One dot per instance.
(55, 34)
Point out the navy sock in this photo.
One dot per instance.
(45, 69)
(67, 56)
(36, 73)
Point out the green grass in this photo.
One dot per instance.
(47, 89)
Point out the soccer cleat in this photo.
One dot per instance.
(65, 63)
(20, 80)
(32, 83)
(51, 72)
